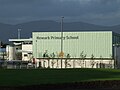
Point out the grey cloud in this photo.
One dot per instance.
(15, 11)
(17, 2)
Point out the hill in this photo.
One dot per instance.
(8, 31)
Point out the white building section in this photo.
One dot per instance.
(10, 50)
(27, 51)
(24, 51)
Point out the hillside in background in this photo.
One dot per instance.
(8, 31)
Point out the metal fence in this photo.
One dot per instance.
(58, 63)
(16, 64)
(75, 63)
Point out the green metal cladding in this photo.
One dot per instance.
(96, 43)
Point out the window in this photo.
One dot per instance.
(17, 48)
(25, 55)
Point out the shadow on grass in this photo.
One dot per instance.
(37, 78)
(92, 85)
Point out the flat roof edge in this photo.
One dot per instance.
(15, 40)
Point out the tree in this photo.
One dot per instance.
(83, 57)
(92, 61)
(66, 62)
(52, 56)
(111, 60)
(101, 62)
(57, 59)
(45, 54)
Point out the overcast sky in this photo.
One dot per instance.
(101, 12)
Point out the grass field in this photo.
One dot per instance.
(10, 77)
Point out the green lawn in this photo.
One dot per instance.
(46, 76)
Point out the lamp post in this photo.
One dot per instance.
(61, 39)
(19, 30)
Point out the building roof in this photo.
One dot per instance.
(20, 40)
